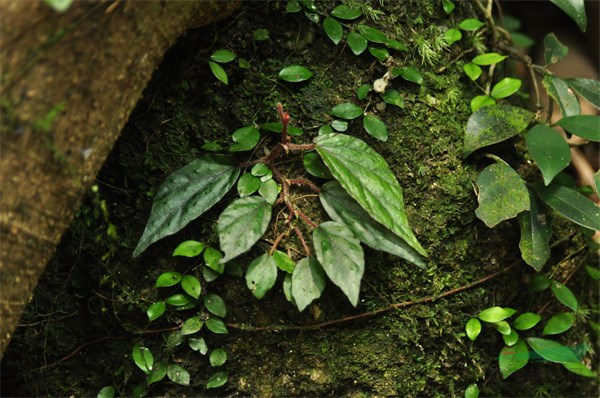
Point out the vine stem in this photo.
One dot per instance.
(370, 314)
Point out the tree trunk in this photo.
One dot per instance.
(69, 83)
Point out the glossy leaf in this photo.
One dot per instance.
(191, 285)
(308, 282)
(216, 325)
(575, 9)
(472, 70)
(284, 262)
(559, 323)
(185, 195)
(261, 275)
(142, 357)
(347, 111)
(188, 248)
(217, 380)
(178, 374)
(585, 126)
(502, 194)
(408, 73)
(245, 139)
(217, 357)
(343, 209)
(535, 234)
(488, 59)
(315, 166)
(218, 71)
(344, 11)
(579, 369)
(513, 358)
(339, 125)
(333, 29)
(159, 371)
(549, 150)
(341, 256)
(558, 89)
(179, 300)
(357, 43)
(198, 344)
(192, 325)
(564, 295)
(473, 328)
(393, 97)
(511, 338)
(156, 310)
(242, 224)
(260, 169)
(295, 74)
(492, 124)
(362, 91)
(380, 53)
(452, 36)
(223, 56)
(215, 305)
(570, 204)
(375, 127)
(551, 350)
(480, 101)
(212, 258)
(503, 328)
(472, 391)
(470, 24)
(554, 50)
(269, 190)
(587, 88)
(247, 185)
(167, 279)
(365, 175)
(495, 314)
(371, 34)
(505, 87)
(526, 321)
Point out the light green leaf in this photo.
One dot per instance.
(502, 194)
(362, 91)
(347, 111)
(338, 125)
(188, 248)
(506, 87)
(535, 233)
(261, 35)
(551, 350)
(167, 279)
(492, 124)
(356, 42)
(579, 369)
(473, 328)
(198, 344)
(295, 74)
(178, 374)
(511, 338)
(344, 11)
(380, 53)
(587, 88)
(488, 59)
(333, 29)
(156, 310)
(260, 169)
(185, 195)
(585, 126)
(554, 50)
(159, 371)
(452, 36)
(448, 6)
(393, 97)
(341, 256)
(218, 71)
(217, 357)
(215, 305)
(308, 282)
(472, 70)
(216, 325)
(245, 139)
(191, 285)
(261, 275)
(287, 288)
(472, 390)
(526, 321)
(59, 5)
(408, 73)
(247, 185)
(142, 357)
(315, 166)
(217, 380)
(549, 150)
(269, 190)
(343, 209)
(564, 295)
(192, 325)
(570, 204)
(396, 45)
(375, 127)
(212, 258)
(513, 358)
(575, 9)
(371, 34)
(503, 327)
(223, 56)
(180, 300)
(284, 262)
(470, 24)
(366, 177)
(558, 89)
(495, 314)
(559, 323)
(480, 101)
(242, 224)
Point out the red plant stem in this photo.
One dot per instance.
(304, 245)
(306, 219)
(304, 181)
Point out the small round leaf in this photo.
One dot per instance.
(215, 305)
(217, 380)
(191, 285)
(346, 111)
(473, 328)
(375, 127)
(156, 310)
(526, 321)
(217, 357)
(188, 248)
(223, 56)
(495, 314)
(295, 74)
(167, 279)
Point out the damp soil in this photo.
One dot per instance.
(89, 309)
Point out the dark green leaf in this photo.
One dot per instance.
(347, 111)
(315, 166)
(343, 209)
(408, 73)
(393, 97)
(185, 195)
(242, 224)
(570, 204)
(513, 358)
(178, 374)
(189, 248)
(223, 56)
(212, 146)
(470, 24)
(287, 288)
(551, 350)
(554, 50)
(559, 90)
(549, 150)
(156, 310)
(559, 323)
(333, 29)
(362, 91)
(539, 283)
(284, 262)
(452, 36)
(269, 190)
(261, 275)
(472, 70)
(579, 369)
(341, 256)
(218, 71)
(371, 34)
(585, 126)
(179, 300)
(526, 321)
(308, 282)
(495, 314)
(564, 295)
(276, 127)
(216, 325)
(472, 390)
(356, 42)
(587, 88)
(217, 380)
(159, 371)
(247, 185)
(260, 35)
(375, 127)
(140, 391)
(511, 338)
(142, 357)
(191, 285)
(366, 177)
(593, 272)
(575, 9)
(215, 305)
(502, 194)
(473, 328)
(325, 129)
(343, 11)
(295, 74)
(505, 87)
(380, 53)
(217, 357)
(448, 6)
(480, 101)
(192, 325)
(535, 233)
(488, 59)
(245, 139)
(198, 344)
(212, 258)
(167, 279)
(492, 124)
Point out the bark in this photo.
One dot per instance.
(88, 66)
